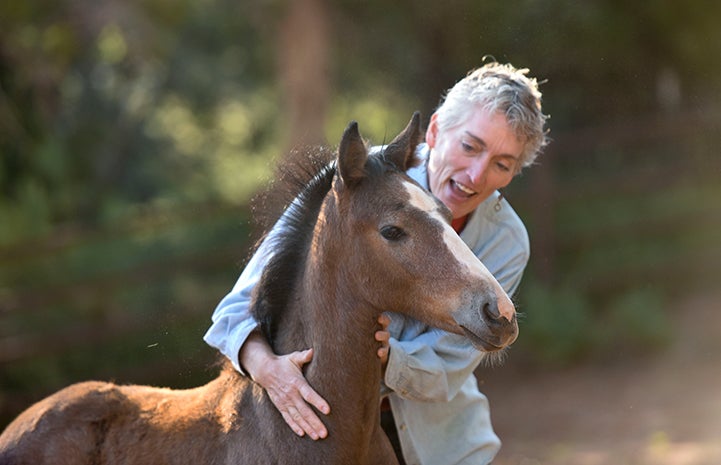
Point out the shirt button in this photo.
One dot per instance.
(402, 427)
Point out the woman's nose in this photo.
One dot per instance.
(477, 169)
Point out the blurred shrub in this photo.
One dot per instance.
(555, 326)
(635, 322)
(562, 325)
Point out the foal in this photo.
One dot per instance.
(361, 238)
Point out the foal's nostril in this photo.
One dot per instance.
(490, 311)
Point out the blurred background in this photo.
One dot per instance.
(133, 134)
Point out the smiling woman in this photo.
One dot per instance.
(472, 160)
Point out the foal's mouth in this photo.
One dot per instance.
(482, 343)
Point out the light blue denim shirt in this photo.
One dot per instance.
(441, 416)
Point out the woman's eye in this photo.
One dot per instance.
(392, 233)
(503, 167)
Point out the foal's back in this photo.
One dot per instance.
(97, 423)
(227, 421)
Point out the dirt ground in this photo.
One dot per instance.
(663, 410)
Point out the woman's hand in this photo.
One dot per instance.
(383, 336)
(282, 378)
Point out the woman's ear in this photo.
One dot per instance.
(432, 131)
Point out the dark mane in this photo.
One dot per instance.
(302, 182)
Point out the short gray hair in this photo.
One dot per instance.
(500, 88)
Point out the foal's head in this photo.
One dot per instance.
(400, 251)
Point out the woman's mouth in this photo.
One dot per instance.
(462, 189)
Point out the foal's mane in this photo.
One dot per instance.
(302, 181)
(301, 184)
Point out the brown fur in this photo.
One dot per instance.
(333, 275)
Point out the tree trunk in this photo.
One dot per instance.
(303, 70)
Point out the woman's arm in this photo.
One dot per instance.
(234, 332)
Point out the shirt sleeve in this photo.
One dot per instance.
(232, 319)
(431, 367)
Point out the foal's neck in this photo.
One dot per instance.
(326, 315)
(345, 357)
(345, 369)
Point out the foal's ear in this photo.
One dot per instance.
(402, 150)
(352, 155)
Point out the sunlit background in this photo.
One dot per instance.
(134, 133)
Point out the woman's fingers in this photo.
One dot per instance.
(383, 336)
(291, 394)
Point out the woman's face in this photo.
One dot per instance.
(470, 161)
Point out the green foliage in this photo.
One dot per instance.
(132, 135)
(636, 321)
(562, 326)
(383, 116)
(104, 115)
(129, 305)
(557, 325)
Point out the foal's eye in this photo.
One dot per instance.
(392, 233)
